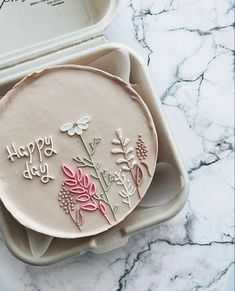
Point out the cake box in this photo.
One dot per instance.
(78, 38)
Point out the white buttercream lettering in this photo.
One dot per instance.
(49, 151)
(12, 154)
(44, 147)
(42, 171)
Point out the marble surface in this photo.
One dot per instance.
(188, 46)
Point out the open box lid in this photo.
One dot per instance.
(34, 28)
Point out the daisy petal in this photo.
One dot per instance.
(84, 119)
(83, 125)
(66, 126)
(71, 131)
(78, 130)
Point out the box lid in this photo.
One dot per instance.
(33, 28)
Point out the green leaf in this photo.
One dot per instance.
(94, 144)
(115, 208)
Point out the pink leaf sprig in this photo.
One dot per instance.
(83, 190)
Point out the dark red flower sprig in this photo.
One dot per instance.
(82, 190)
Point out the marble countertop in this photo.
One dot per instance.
(188, 47)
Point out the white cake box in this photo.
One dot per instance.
(38, 34)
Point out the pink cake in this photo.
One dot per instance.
(78, 150)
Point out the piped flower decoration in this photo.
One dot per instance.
(77, 127)
(77, 195)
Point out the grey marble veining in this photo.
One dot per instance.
(188, 47)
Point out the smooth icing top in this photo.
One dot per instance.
(78, 151)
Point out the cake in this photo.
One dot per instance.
(78, 150)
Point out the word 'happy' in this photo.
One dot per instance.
(43, 147)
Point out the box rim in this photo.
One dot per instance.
(71, 39)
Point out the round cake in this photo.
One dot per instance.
(78, 150)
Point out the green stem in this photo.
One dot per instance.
(99, 177)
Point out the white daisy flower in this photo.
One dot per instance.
(76, 127)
